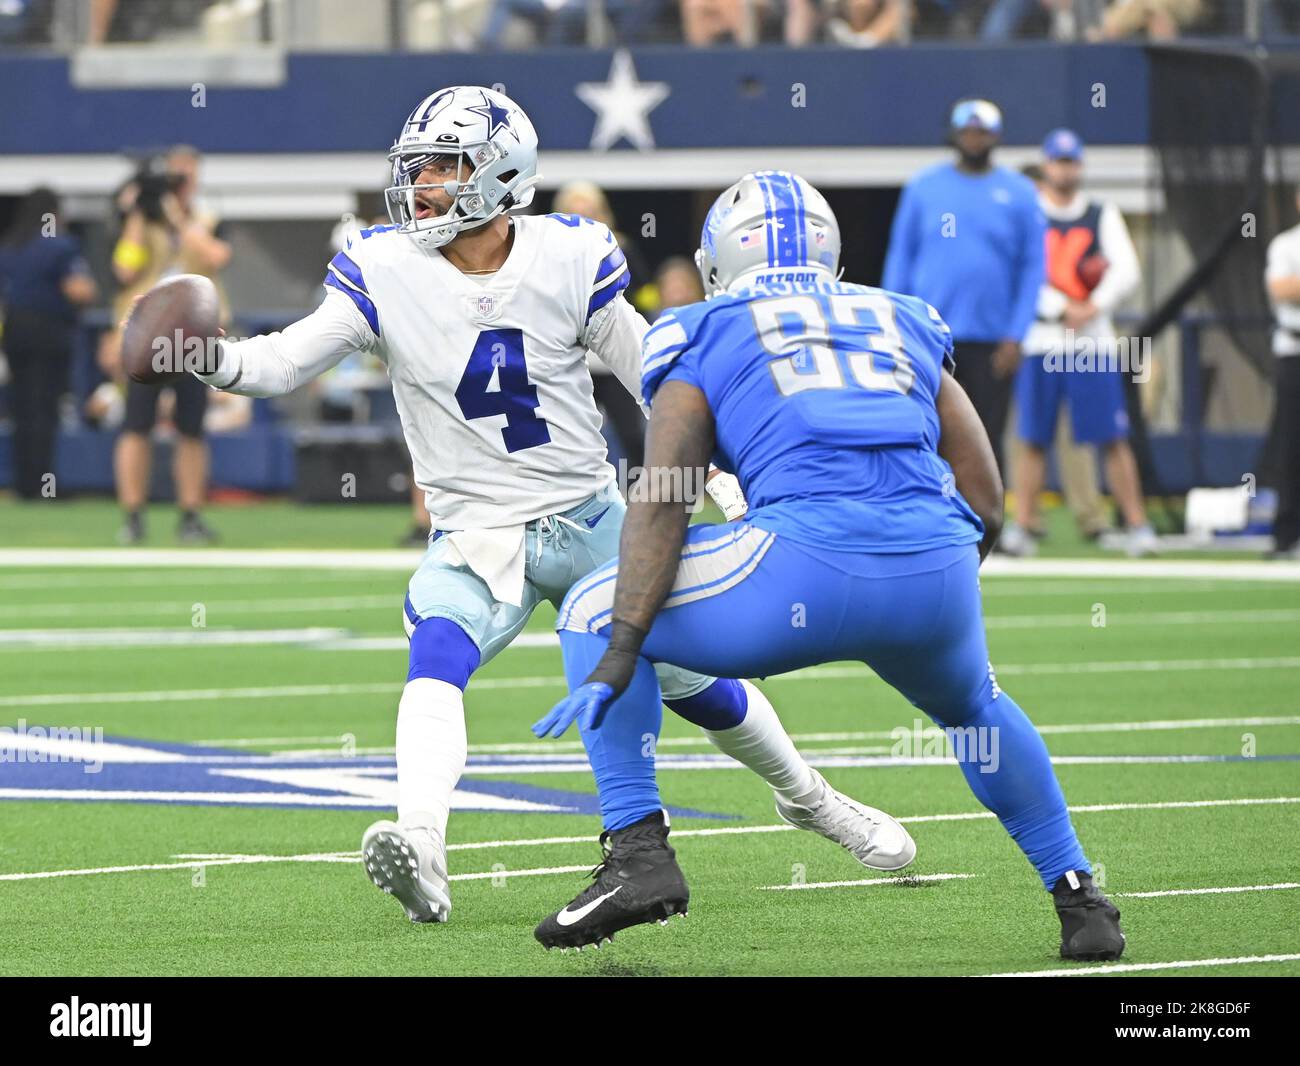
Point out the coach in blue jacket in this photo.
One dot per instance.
(968, 238)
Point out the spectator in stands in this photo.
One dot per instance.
(677, 283)
(1070, 19)
(709, 22)
(1091, 267)
(1282, 277)
(43, 283)
(588, 199)
(968, 238)
(164, 231)
(867, 23)
(1157, 19)
(557, 22)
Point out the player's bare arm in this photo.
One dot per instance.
(678, 445)
(964, 446)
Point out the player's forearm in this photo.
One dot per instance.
(649, 554)
(964, 446)
(678, 447)
(281, 362)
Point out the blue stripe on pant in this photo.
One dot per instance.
(750, 603)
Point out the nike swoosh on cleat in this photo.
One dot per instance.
(567, 917)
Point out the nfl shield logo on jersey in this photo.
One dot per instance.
(485, 307)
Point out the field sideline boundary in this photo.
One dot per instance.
(406, 561)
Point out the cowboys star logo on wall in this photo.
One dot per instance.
(622, 105)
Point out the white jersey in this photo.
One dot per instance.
(489, 373)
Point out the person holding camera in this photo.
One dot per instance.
(164, 232)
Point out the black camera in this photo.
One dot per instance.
(154, 182)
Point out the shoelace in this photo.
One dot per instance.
(606, 853)
(555, 528)
(845, 813)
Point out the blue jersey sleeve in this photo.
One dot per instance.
(663, 349)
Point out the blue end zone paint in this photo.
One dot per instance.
(200, 770)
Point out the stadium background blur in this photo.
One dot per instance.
(1190, 127)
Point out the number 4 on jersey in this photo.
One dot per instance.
(501, 351)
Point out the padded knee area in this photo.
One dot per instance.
(440, 649)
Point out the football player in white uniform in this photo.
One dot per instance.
(484, 318)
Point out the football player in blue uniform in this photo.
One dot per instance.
(873, 497)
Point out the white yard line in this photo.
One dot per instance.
(905, 879)
(1138, 967)
(406, 561)
(214, 607)
(43, 699)
(32, 640)
(1206, 891)
(559, 747)
(164, 579)
(343, 857)
(212, 558)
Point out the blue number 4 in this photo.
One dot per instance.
(502, 350)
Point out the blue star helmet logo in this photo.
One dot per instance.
(498, 117)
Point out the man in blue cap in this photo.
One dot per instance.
(968, 238)
(1072, 355)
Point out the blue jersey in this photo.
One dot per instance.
(823, 394)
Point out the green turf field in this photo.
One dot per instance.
(1177, 722)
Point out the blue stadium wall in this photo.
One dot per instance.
(719, 98)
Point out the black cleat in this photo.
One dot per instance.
(193, 530)
(638, 882)
(1090, 929)
(132, 531)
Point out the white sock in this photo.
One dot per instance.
(431, 751)
(762, 744)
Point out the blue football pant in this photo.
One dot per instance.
(750, 603)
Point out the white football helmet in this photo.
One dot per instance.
(768, 220)
(496, 147)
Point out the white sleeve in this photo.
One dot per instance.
(280, 362)
(1123, 272)
(614, 335)
(1280, 262)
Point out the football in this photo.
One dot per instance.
(1092, 269)
(171, 329)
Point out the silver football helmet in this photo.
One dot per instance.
(496, 149)
(768, 220)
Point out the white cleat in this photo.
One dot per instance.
(1142, 542)
(1016, 542)
(872, 837)
(410, 864)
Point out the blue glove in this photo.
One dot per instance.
(586, 704)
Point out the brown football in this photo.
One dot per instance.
(172, 329)
(1092, 269)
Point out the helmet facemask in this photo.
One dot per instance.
(478, 192)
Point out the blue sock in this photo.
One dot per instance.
(720, 706)
(1021, 787)
(622, 750)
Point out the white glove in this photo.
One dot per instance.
(726, 493)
